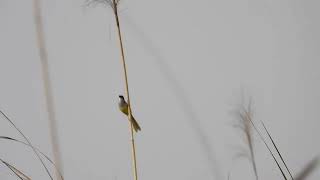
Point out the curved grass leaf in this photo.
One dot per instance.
(43, 154)
(28, 142)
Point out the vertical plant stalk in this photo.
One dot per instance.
(47, 85)
(133, 148)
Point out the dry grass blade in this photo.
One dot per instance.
(248, 116)
(311, 166)
(17, 172)
(18, 141)
(29, 143)
(274, 145)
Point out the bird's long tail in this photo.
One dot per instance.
(135, 124)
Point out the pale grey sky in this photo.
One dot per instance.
(190, 64)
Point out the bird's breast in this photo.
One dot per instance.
(123, 108)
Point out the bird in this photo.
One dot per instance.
(123, 106)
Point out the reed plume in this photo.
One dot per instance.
(246, 127)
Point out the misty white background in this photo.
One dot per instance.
(190, 65)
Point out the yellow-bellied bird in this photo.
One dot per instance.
(123, 106)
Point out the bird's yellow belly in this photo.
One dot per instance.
(124, 110)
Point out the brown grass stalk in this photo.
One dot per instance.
(114, 6)
(41, 43)
(134, 158)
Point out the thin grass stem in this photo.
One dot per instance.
(265, 143)
(274, 145)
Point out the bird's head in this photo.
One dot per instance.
(121, 97)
